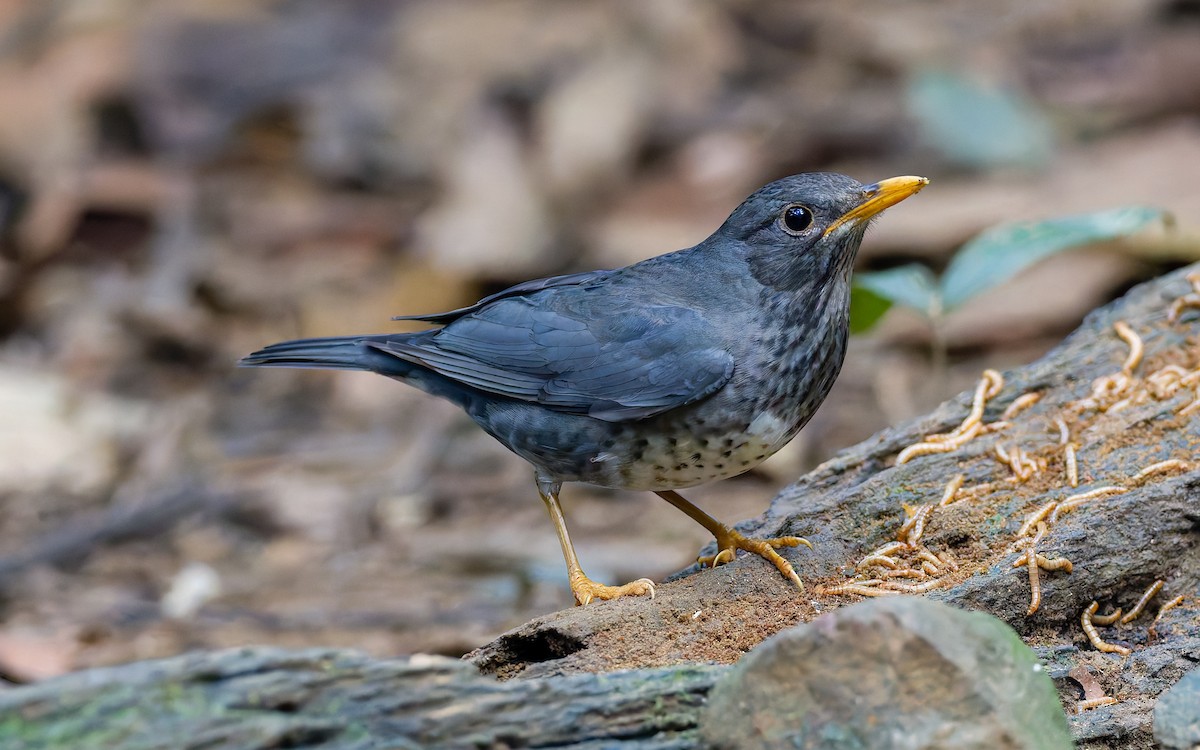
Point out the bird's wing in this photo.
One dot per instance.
(577, 355)
(525, 287)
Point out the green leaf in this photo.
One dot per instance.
(977, 125)
(866, 308)
(912, 286)
(999, 253)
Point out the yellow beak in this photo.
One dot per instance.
(877, 197)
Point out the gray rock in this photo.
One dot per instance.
(1177, 714)
(902, 673)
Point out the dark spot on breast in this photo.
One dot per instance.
(659, 468)
(745, 463)
(672, 442)
(727, 454)
(760, 456)
(717, 465)
(680, 467)
(696, 456)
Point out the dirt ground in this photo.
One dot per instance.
(180, 185)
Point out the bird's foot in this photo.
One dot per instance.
(730, 541)
(586, 590)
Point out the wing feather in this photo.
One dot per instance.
(577, 352)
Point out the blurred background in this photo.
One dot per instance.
(181, 183)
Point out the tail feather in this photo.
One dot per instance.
(358, 353)
(337, 353)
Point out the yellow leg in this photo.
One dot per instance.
(584, 588)
(730, 541)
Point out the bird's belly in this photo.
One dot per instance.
(692, 456)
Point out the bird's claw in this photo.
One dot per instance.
(586, 590)
(730, 542)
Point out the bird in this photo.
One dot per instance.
(682, 369)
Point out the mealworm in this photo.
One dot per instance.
(1181, 304)
(1136, 347)
(1090, 631)
(1054, 563)
(928, 557)
(1192, 407)
(1020, 404)
(978, 489)
(857, 582)
(1064, 434)
(913, 588)
(1035, 585)
(1042, 528)
(1108, 619)
(1163, 610)
(1072, 465)
(890, 547)
(952, 489)
(988, 387)
(1160, 467)
(1164, 381)
(926, 448)
(1032, 465)
(1082, 706)
(918, 529)
(1141, 603)
(914, 527)
(1038, 515)
(1045, 563)
(1074, 501)
(1023, 467)
(902, 573)
(1107, 385)
(947, 560)
(884, 560)
(857, 588)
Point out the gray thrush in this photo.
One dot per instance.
(679, 370)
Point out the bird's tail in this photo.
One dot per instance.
(337, 353)
(363, 353)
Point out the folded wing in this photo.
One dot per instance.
(576, 353)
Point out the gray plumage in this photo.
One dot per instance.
(681, 369)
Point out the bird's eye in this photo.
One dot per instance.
(796, 218)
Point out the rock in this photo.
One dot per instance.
(855, 502)
(888, 673)
(262, 698)
(1177, 714)
(899, 667)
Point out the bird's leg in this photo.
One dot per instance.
(584, 588)
(730, 541)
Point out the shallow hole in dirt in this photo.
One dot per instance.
(518, 650)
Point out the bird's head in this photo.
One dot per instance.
(806, 229)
